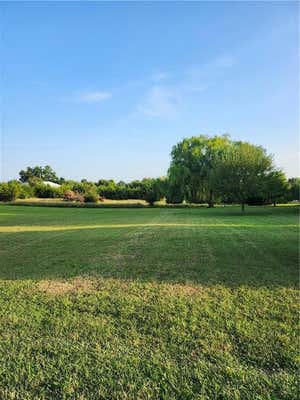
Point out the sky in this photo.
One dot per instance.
(104, 90)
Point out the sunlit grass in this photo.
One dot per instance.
(41, 228)
(148, 303)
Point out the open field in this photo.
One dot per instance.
(151, 303)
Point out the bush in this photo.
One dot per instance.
(256, 201)
(9, 191)
(69, 195)
(26, 191)
(47, 192)
(151, 197)
(91, 197)
(174, 195)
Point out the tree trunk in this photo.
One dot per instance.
(274, 204)
(243, 207)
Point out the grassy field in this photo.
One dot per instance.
(148, 303)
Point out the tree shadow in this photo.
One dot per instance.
(222, 255)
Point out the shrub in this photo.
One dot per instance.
(9, 191)
(69, 195)
(26, 191)
(153, 190)
(79, 198)
(256, 201)
(151, 197)
(174, 195)
(47, 192)
(91, 197)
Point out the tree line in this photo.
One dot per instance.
(203, 169)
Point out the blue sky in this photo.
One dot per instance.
(104, 90)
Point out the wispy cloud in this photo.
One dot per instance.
(167, 95)
(93, 97)
(160, 101)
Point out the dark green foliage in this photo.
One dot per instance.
(47, 192)
(193, 166)
(213, 169)
(147, 187)
(256, 201)
(44, 173)
(275, 187)
(154, 190)
(174, 194)
(294, 189)
(91, 196)
(242, 171)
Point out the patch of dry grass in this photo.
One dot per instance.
(56, 287)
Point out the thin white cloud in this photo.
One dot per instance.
(160, 101)
(94, 97)
(167, 101)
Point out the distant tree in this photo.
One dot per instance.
(43, 173)
(154, 190)
(242, 171)
(275, 187)
(294, 189)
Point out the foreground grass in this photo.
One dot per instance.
(148, 304)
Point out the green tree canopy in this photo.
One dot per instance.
(294, 189)
(242, 171)
(192, 167)
(276, 186)
(44, 173)
(204, 169)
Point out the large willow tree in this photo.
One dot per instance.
(192, 167)
(207, 168)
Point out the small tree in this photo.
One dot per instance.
(154, 190)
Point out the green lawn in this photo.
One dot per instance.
(151, 303)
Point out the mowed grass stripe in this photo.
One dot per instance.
(47, 228)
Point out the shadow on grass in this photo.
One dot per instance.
(229, 255)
